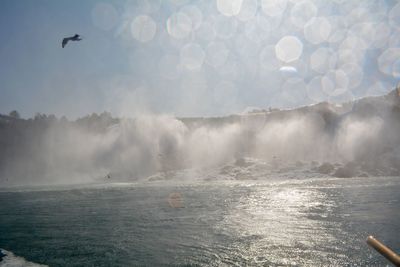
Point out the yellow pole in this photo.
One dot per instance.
(384, 250)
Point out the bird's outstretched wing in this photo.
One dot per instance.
(64, 42)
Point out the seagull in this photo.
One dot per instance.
(76, 37)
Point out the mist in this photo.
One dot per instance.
(360, 135)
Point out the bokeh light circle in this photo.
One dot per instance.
(206, 32)
(354, 73)
(179, 25)
(317, 30)
(257, 29)
(339, 28)
(169, 67)
(105, 16)
(192, 56)
(274, 8)
(302, 12)
(268, 59)
(289, 49)
(195, 15)
(248, 10)
(396, 69)
(229, 7)
(314, 90)
(335, 82)
(322, 60)
(387, 60)
(382, 34)
(143, 28)
(394, 16)
(216, 54)
(225, 27)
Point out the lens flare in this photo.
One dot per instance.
(289, 49)
(229, 7)
(105, 16)
(192, 56)
(302, 12)
(143, 28)
(179, 25)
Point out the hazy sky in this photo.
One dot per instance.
(193, 58)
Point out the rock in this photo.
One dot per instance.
(314, 163)
(241, 162)
(2, 255)
(348, 170)
(325, 168)
(299, 164)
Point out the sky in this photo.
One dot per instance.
(193, 58)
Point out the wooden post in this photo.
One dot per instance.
(384, 250)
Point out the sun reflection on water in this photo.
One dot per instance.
(285, 226)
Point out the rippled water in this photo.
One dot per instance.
(311, 222)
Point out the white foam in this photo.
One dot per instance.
(11, 260)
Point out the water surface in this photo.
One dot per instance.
(309, 222)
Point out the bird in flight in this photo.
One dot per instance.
(76, 37)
